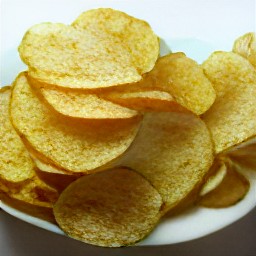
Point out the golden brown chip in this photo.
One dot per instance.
(65, 56)
(58, 181)
(231, 190)
(44, 213)
(15, 163)
(215, 179)
(68, 143)
(113, 208)
(35, 192)
(42, 162)
(231, 119)
(134, 33)
(244, 154)
(184, 79)
(246, 47)
(174, 152)
(84, 105)
(145, 100)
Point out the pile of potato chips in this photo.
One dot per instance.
(104, 137)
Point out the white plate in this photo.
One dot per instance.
(196, 27)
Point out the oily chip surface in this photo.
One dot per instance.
(185, 80)
(246, 47)
(177, 154)
(233, 188)
(64, 56)
(84, 105)
(117, 207)
(70, 144)
(15, 163)
(231, 119)
(135, 34)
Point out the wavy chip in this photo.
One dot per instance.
(184, 79)
(15, 163)
(233, 188)
(135, 34)
(219, 170)
(231, 119)
(18, 178)
(84, 105)
(177, 154)
(246, 47)
(145, 100)
(68, 143)
(65, 56)
(113, 208)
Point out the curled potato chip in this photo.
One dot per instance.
(68, 143)
(215, 179)
(117, 207)
(145, 100)
(18, 178)
(58, 181)
(246, 47)
(65, 56)
(184, 79)
(15, 163)
(244, 154)
(174, 152)
(134, 33)
(44, 213)
(233, 187)
(231, 119)
(84, 105)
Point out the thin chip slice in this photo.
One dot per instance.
(114, 208)
(244, 154)
(177, 154)
(231, 190)
(135, 34)
(15, 163)
(68, 143)
(145, 100)
(42, 162)
(65, 56)
(44, 213)
(18, 178)
(231, 119)
(246, 47)
(58, 181)
(184, 79)
(215, 179)
(84, 105)
(35, 192)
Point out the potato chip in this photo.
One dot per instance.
(150, 100)
(15, 163)
(231, 190)
(184, 79)
(174, 152)
(68, 143)
(43, 213)
(58, 181)
(114, 208)
(62, 55)
(134, 33)
(231, 119)
(244, 154)
(219, 173)
(35, 192)
(84, 105)
(246, 47)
